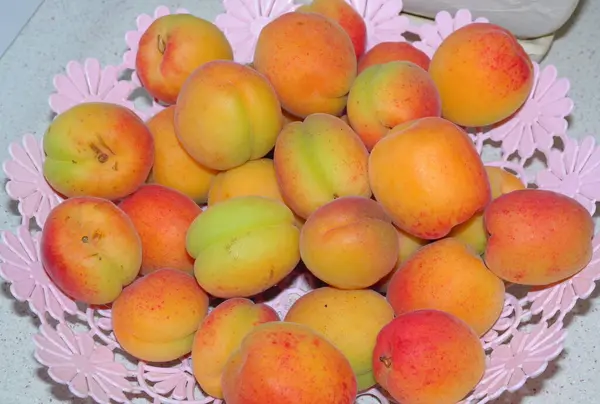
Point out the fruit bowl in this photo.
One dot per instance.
(76, 342)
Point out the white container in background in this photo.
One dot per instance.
(526, 19)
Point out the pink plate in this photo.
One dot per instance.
(76, 343)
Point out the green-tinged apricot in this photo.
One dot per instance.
(243, 246)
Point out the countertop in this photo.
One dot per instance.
(64, 30)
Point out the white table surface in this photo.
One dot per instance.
(63, 30)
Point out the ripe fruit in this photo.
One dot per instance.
(97, 149)
(350, 319)
(537, 237)
(349, 243)
(172, 47)
(243, 246)
(482, 73)
(428, 176)
(156, 317)
(220, 334)
(428, 357)
(90, 249)
(281, 362)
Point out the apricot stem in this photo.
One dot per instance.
(101, 156)
(387, 362)
(162, 46)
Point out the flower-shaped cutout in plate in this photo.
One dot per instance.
(244, 19)
(20, 265)
(75, 359)
(509, 318)
(382, 19)
(540, 119)
(26, 183)
(525, 356)
(87, 83)
(574, 172)
(176, 382)
(432, 35)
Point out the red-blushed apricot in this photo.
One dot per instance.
(345, 15)
(90, 249)
(428, 357)
(386, 95)
(448, 275)
(173, 166)
(349, 243)
(385, 52)
(537, 237)
(97, 149)
(310, 61)
(350, 319)
(220, 334)
(319, 160)
(473, 230)
(155, 318)
(172, 47)
(482, 73)
(227, 114)
(162, 216)
(287, 363)
(428, 177)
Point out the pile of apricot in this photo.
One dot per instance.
(353, 165)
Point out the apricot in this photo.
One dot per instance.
(345, 15)
(429, 177)
(386, 95)
(537, 237)
(428, 357)
(161, 216)
(256, 177)
(319, 160)
(473, 230)
(97, 149)
(90, 249)
(172, 47)
(227, 114)
(350, 319)
(173, 166)
(243, 246)
(155, 318)
(482, 73)
(349, 243)
(408, 246)
(385, 52)
(287, 363)
(310, 60)
(447, 275)
(220, 334)
(502, 182)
